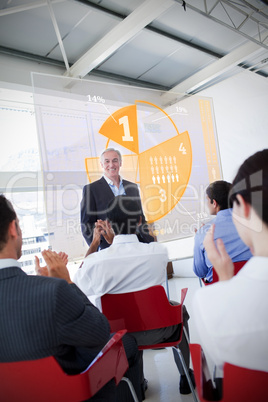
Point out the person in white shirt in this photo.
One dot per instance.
(126, 266)
(232, 315)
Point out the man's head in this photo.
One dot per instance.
(251, 182)
(217, 196)
(111, 161)
(124, 214)
(10, 232)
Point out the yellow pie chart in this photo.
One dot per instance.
(160, 160)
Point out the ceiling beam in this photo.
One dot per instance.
(210, 72)
(257, 22)
(123, 32)
(151, 28)
(26, 7)
(94, 73)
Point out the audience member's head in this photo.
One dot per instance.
(251, 183)
(9, 225)
(7, 215)
(124, 214)
(217, 195)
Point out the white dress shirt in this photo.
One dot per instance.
(232, 317)
(126, 266)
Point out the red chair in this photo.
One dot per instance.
(239, 384)
(44, 380)
(237, 266)
(145, 310)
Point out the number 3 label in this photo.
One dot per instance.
(163, 196)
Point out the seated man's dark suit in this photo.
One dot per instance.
(41, 316)
(96, 197)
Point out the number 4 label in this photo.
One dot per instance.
(182, 149)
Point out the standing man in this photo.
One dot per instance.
(97, 195)
(49, 315)
(217, 201)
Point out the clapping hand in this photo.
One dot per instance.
(105, 229)
(218, 256)
(56, 265)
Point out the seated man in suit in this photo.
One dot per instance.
(128, 265)
(217, 201)
(49, 315)
(97, 195)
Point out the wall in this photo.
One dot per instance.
(241, 110)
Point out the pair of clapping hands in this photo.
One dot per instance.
(56, 265)
(218, 255)
(103, 228)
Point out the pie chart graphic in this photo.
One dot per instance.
(158, 157)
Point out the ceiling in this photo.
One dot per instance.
(171, 45)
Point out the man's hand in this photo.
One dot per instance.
(102, 228)
(106, 230)
(64, 257)
(196, 229)
(218, 256)
(56, 265)
(42, 271)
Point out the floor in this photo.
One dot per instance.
(159, 366)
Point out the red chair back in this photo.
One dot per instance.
(237, 266)
(44, 380)
(142, 311)
(239, 384)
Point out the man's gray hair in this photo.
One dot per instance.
(108, 150)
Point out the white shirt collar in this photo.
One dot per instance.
(129, 238)
(110, 182)
(9, 262)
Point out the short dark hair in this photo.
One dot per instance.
(7, 215)
(219, 191)
(124, 214)
(251, 182)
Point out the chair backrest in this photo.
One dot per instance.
(239, 384)
(237, 266)
(43, 379)
(142, 310)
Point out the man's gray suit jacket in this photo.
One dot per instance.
(41, 316)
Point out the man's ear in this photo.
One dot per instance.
(215, 204)
(12, 229)
(140, 221)
(244, 207)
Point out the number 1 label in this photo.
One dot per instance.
(126, 137)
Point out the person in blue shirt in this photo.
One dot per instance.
(217, 201)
